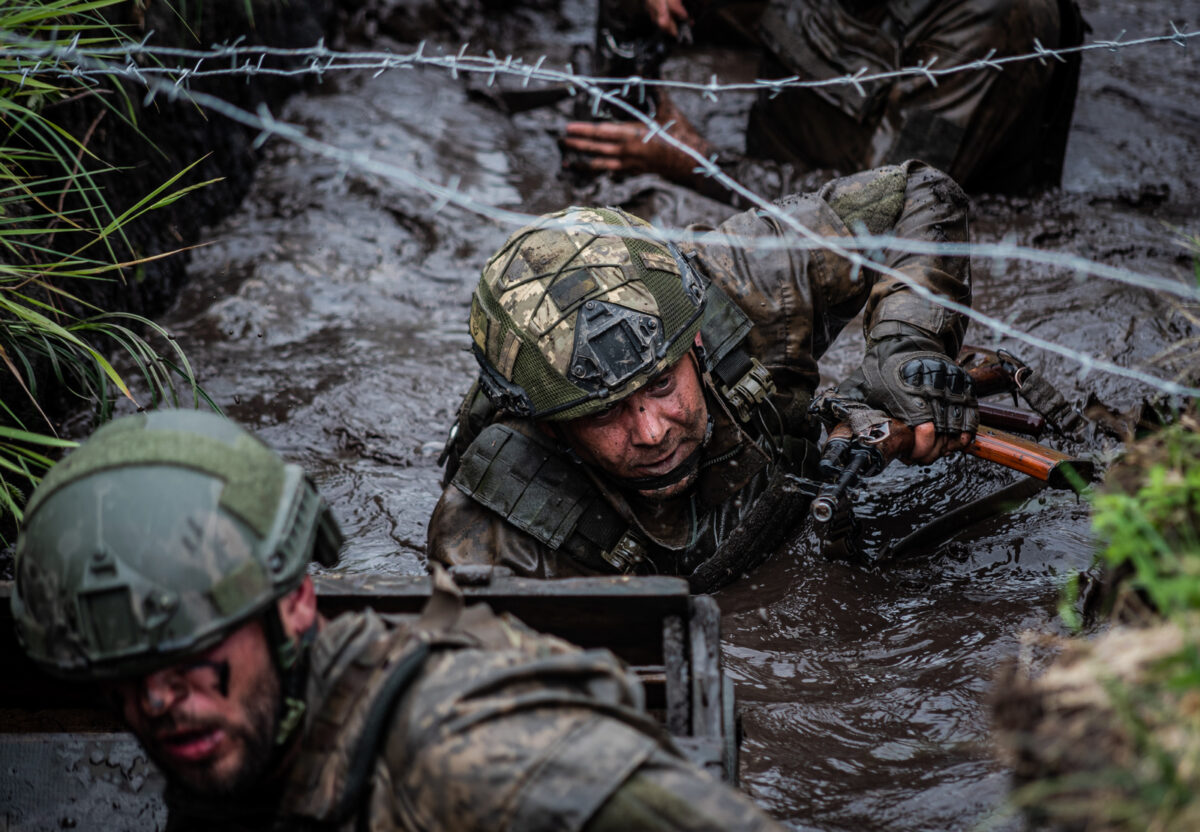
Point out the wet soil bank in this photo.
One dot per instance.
(162, 136)
(138, 145)
(329, 314)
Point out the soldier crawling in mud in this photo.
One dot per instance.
(166, 559)
(1000, 130)
(641, 407)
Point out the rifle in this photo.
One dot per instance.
(627, 45)
(848, 458)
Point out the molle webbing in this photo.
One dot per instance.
(254, 476)
(723, 327)
(533, 487)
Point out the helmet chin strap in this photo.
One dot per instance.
(290, 656)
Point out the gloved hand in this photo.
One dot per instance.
(909, 377)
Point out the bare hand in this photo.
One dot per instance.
(621, 146)
(929, 446)
(667, 15)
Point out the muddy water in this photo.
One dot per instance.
(329, 315)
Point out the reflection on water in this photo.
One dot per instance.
(330, 315)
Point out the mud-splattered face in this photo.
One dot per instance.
(648, 434)
(208, 722)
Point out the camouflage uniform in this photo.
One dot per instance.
(991, 130)
(464, 720)
(999, 131)
(168, 532)
(543, 514)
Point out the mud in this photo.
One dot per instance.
(329, 314)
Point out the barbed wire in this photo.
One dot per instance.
(847, 247)
(250, 60)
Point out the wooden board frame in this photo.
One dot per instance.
(670, 639)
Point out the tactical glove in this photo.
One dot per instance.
(909, 377)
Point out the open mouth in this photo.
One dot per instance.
(191, 746)
(660, 466)
(665, 464)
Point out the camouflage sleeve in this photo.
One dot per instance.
(519, 739)
(801, 298)
(461, 531)
(667, 794)
(930, 207)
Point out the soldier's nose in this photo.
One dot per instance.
(648, 424)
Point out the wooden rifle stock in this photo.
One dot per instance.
(1010, 418)
(1028, 457)
(1024, 455)
(994, 445)
(895, 439)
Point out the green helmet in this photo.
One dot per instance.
(581, 308)
(156, 538)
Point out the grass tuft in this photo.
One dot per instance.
(58, 230)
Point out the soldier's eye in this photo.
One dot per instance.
(661, 383)
(606, 414)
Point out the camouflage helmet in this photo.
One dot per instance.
(581, 308)
(155, 539)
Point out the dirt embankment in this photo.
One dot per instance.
(1103, 731)
(133, 145)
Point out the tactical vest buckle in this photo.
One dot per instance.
(626, 553)
(750, 390)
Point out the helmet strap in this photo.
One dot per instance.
(291, 661)
(713, 395)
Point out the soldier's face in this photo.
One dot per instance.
(650, 433)
(209, 722)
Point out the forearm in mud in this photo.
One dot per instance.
(667, 794)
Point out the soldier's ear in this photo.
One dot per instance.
(699, 342)
(298, 609)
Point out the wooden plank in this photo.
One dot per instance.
(705, 656)
(678, 692)
(623, 614)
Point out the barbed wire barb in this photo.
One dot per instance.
(795, 234)
(324, 60)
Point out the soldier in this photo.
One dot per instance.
(641, 407)
(166, 559)
(995, 130)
